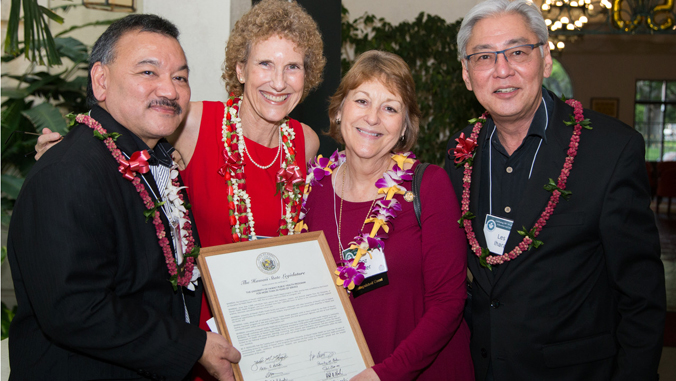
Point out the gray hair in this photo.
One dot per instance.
(491, 8)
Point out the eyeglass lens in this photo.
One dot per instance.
(515, 55)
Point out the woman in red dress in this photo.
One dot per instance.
(247, 145)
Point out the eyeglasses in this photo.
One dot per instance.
(518, 55)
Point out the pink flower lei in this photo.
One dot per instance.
(180, 275)
(351, 272)
(464, 155)
(289, 178)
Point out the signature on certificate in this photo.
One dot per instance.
(268, 363)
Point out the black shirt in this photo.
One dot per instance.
(510, 174)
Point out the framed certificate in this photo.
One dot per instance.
(277, 302)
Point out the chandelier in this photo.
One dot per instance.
(570, 19)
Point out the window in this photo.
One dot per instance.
(655, 118)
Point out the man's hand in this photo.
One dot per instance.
(217, 357)
(46, 141)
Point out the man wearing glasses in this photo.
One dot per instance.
(564, 252)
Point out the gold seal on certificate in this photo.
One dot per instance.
(267, 263)
(276, 301)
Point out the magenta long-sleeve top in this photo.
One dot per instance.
(413, 326)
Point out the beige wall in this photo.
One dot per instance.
(205, 27)
(398, 11)
(608, 66)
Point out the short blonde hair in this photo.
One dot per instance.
(394, 73)
(275, 18)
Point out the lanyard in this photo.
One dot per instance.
(490, 159)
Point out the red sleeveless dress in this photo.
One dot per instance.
(207, 189)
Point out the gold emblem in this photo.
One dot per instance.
(409, 196)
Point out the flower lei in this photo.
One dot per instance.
(351, 272)
(181, 271)
(464, 156)
(289, 178)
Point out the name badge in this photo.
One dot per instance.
(496, 231)
(375, 272)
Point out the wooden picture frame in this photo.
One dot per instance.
(608, 106)
(223, 266)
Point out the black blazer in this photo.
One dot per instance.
(590, 303)
(94, 301)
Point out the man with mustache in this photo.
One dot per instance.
(101, 242)
(568, 282)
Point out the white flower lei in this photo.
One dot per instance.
(239, 193)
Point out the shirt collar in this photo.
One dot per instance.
(160, 155)
(538, 126)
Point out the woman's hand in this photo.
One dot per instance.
(366, 375)
(46, 141)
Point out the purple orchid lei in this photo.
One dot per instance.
(351, 272)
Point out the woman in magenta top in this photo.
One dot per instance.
(413, 325)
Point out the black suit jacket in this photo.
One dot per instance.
(590, 303)
(94, 301)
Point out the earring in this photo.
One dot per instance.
(338, 121)
(402, 137)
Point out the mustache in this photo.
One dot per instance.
(164, 102)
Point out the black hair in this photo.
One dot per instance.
(104, 48)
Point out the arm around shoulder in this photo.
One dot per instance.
(311, 142)
(184, 139)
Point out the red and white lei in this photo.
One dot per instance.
(182, 271)
(289, 178)
(464, 156)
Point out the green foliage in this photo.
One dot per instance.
(559, 81)
(37, 100)
(37, 37)
(7, 316)
(428, 45)
(7, 313)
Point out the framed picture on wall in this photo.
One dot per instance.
(608, 106)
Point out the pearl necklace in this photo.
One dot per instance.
(279, 149)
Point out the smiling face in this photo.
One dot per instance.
(372, 120)
(273, 78)
(145, 88)
(510, 92)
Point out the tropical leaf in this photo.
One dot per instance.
(11, 185)
(45, 115)
(14, 93)
(45, 79)
(12, 37)
(37, 36)
(94, 23)
(71, 48)
(7, 316)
